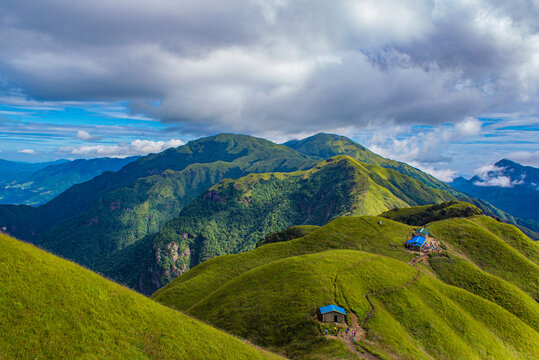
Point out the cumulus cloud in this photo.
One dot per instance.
(424, 147)
(27, 151)
(492, 175)
(271, 66)
(85, 135)
(136, 147)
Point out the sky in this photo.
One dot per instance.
(446, 86)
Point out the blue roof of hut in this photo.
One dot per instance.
(329, 308)
(416, 240)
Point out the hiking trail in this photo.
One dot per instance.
(415, 259)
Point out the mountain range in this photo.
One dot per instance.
(142, 225)
(35, 184)
(512, 187)
(233, 215)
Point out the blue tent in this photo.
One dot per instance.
(329, 308)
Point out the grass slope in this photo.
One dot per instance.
(499, 249)
(342, 233)
(462, 273)
(51, 308)
(233, 215)
(271, 294)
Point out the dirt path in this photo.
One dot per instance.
(361, 334)
(347, 339)
(416, 259)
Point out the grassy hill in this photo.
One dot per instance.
(324, 146)
(233, 215)
(454, 310)
(53, 309)
(421, 215)
(499, 249)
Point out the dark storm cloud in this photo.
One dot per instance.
(277, 66)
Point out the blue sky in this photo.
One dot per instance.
(446, 86)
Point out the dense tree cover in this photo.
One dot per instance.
(421, 215)
(293, 232)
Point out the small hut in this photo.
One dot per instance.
(422, 232)
(332, 313)
(416, 243)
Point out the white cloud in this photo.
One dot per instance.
(85, 135)
(426, 146)
(136, 147)
(498, 181)
(27, 151)
(528, 158)
(263, 66)
(468, 127)
(492, 175)
(446, 175)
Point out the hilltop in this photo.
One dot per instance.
(421, 215)
(234, 214)
(51, 309)
(476, 300)
(325, 146)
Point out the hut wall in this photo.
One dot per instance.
(330, 317)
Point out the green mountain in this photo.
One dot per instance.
(476, 300)
(108, 223)
(324, 146)
(233, 215)
(53, 309)
(47, 182)
(117, 209)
